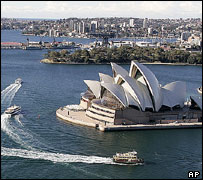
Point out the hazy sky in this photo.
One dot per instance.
(84, 9)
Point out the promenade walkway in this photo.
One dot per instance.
(79, 117)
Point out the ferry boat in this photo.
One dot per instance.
(30, 47)
(13, 110)
(128, 158)
(18, 81)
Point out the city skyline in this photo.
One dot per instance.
(98, 9)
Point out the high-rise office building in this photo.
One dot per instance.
(145, 23)
(71, 25)
(96, 23)
(94, 26)
(131, 23)
(102, 24)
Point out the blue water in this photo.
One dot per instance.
(36, 144)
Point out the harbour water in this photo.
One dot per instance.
(35, 144)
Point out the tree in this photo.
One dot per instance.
(64, 53)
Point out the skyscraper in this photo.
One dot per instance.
(131, 23)
(94, 26)
(71, 25)
(145, 23)
(96, 23)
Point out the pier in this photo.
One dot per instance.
(11, 45)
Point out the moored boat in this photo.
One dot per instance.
(13, 110)
(128, 158)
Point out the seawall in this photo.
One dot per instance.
(80, 118)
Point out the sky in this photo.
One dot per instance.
(97, 9)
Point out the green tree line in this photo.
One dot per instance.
(125, 54)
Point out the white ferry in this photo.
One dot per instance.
(18, 81)
(32, 47)
(13, 110)
(127, 158)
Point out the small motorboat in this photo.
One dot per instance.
(128, 158)
(199, 90)
(18, 81)
(13, 110)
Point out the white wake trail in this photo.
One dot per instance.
(19, 134)
(55, 157)
(15, 129)
(7, 91)
(15, 133)
(8, 94)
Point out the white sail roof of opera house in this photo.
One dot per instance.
(118, 70)
(174, 94)
(117, 91)
(197, 100)
(94, 86)
(137, 90)
(131, 100)
(106, 78)
(150, 80)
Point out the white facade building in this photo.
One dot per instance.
(145, 23)
(131, 23)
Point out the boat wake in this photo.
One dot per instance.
(54, 157)
(16, 130)
(8, 94)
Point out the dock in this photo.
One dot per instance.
(80, 118)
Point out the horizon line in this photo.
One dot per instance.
(96, 17)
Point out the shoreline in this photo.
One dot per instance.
(48, 61)
(79, 118)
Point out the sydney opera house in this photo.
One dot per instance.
(137, 97)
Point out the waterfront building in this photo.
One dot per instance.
(121, 43)
(137, 97)
(146, 44)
